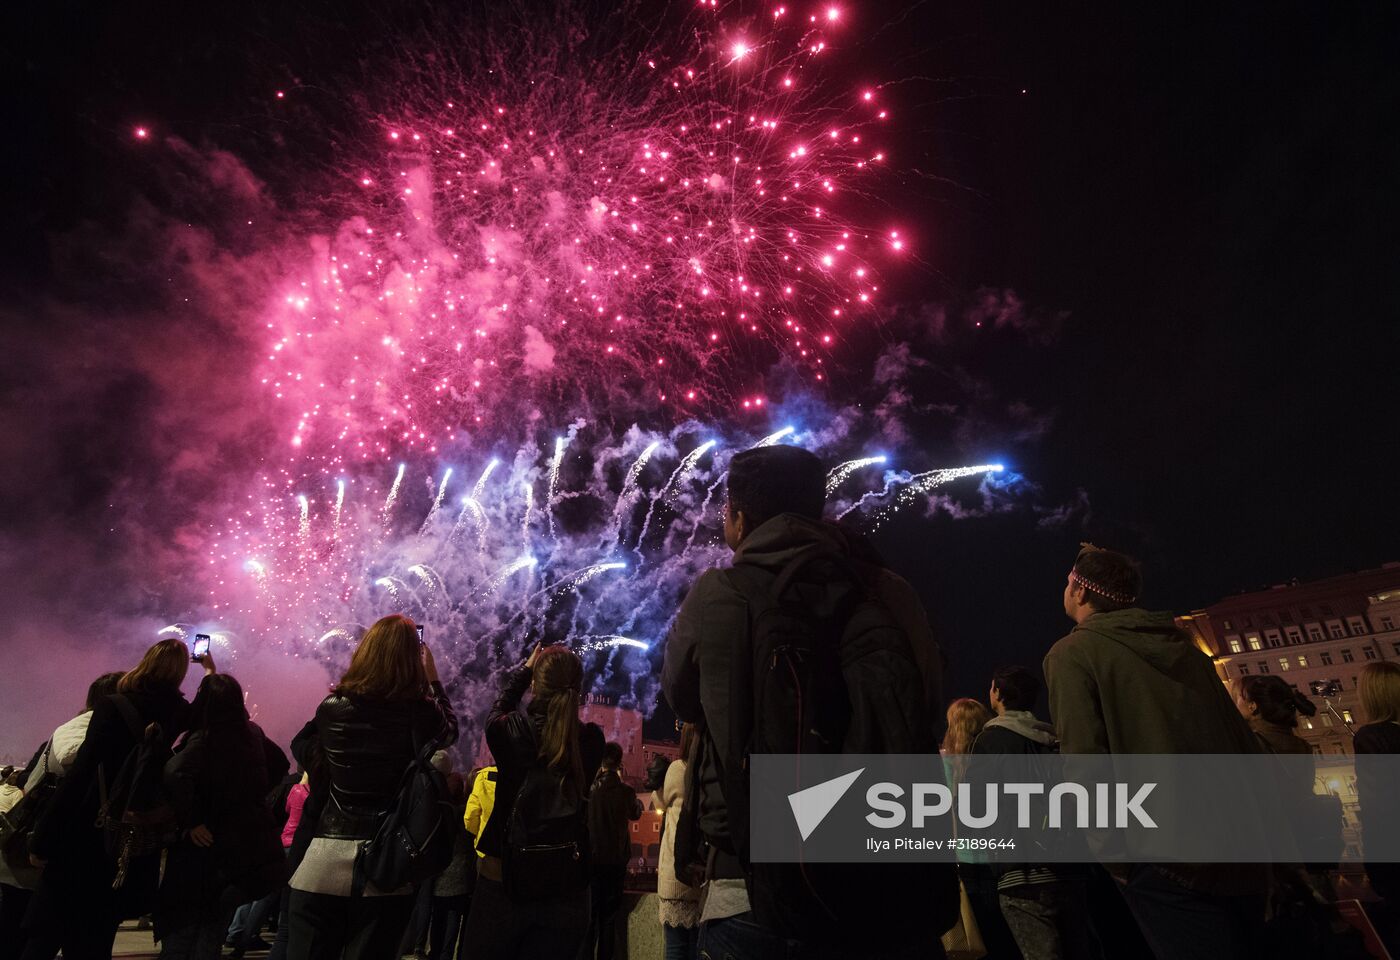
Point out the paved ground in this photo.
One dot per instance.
(643, 933)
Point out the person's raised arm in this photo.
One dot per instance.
(443, 722)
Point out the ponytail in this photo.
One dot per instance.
(559, 744)
(557, 675)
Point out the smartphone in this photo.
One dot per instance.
(420, 632)
(201, 647)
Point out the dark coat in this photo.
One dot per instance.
(696, 674)
(220, 778)
(79, 869)
(367, 744)
(514, 736)
(1377, 786)
(612, 806)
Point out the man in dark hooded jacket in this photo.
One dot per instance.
(776, 496)
(1127, 680)
(1044, 905)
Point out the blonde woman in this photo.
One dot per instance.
(75, 903)
(1377, 786)
(385, 709)
(680, 902)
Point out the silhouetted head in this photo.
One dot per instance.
(1272, 700)
(766, 481)
(1014, 688)
(102, 688)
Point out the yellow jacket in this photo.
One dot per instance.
(479, 804)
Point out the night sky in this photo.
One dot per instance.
(1196, 207)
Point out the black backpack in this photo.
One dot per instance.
(546, 843)
(412, 841)
(828, 670)
(134, 812)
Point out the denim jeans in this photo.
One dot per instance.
(740, 938)
(682, 943)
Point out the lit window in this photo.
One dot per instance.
(1235, 646)
(1327, 719)
(1346, 715)
(1307, 724)
(1283, 663)
(1347, 656)
(1228, 626)
(1254, 643)
(1302, 661)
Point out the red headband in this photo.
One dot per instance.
(1101, 591)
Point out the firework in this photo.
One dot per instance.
(621, 206)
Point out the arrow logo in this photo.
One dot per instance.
(810, 806)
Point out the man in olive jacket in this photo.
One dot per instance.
(1127, 680)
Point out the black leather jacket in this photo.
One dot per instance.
(367, 745)
(513, 736)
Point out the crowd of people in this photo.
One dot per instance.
(366, 844)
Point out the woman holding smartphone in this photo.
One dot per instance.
(76, 900)
(385, 709)
(532, 903)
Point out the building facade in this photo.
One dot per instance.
(1316, 636)
(1316, 633)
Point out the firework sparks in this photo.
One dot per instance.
(842, 472)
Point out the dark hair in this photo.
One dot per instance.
(102, 688)
(1115, 574)
(1018, 687)
(218, 700)
(766, 481)
(1279, 702)
(612, 753)
(387, 664)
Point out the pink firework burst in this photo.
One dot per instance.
(548, 212)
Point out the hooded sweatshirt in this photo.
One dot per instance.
(1016, 731)
(1129, 681)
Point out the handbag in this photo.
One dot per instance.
(17, 824)
(964, 941)
(412, 841)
